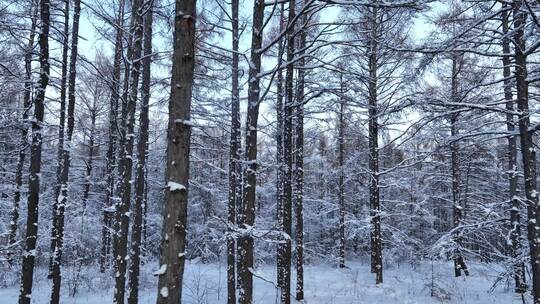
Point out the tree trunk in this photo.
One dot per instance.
(285, 246)
(279, 136)
(90, 160)
(527, 146)
(299, 167)
(376, 237)
(247, 217)
(341, 182)
(177, 175)
(127, 138)
(142, 150)
(123, 141)
(27, 104)
(235, 178)
(515, 228)
(459, 262)
(61, 136)
(108, 213)
(29, 254)
(66, 159)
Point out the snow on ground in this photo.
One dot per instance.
(205, 283)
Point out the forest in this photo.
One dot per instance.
(269, 151)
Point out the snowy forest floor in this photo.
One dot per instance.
(205, 283)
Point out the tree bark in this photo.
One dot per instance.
(127, 139)
(29, 255)
(108, 214)
(459, 261)
(527, 146)
(126, 117)
(279, 136)
(142, 150)
(285, 246)
(341, 181)
(235, 169)
(90, 161)
(515, 228)
(27, 104)
(299, 165)
(247, 217)
(61, 134)
(178, 144)
(376, 237)
(66, 159)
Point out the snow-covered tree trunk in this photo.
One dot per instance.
(341, 182)
(527, 145)
(29, 253)
(23, 143)
(299, 164)
(373, 130)
(89, 163)
(247, 216)
(58, 217)
(108, 214)
(457, 201)
(142, 151)
(123, 141)
(515, 227)
(279, 135)
(178, 143)
(61, 133)
(126, 160)
(235, 169)
(285, 246)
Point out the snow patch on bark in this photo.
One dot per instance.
(164, 292)
(161, 270)
(175, 187)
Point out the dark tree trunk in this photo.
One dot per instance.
(527, 146)
(142, 150)
(108, 213)
(285, 246)
(247, 216)
(27, 104)
(127, 139)
(376, 236)
(299, 167)
(126, 117)
(341, 182)
(235, 169)
(90, 161)
(459, 261)
(61, 136)
(178, 142)
(515, 228)
(66, 159)
(279, 136)
(29, 254)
